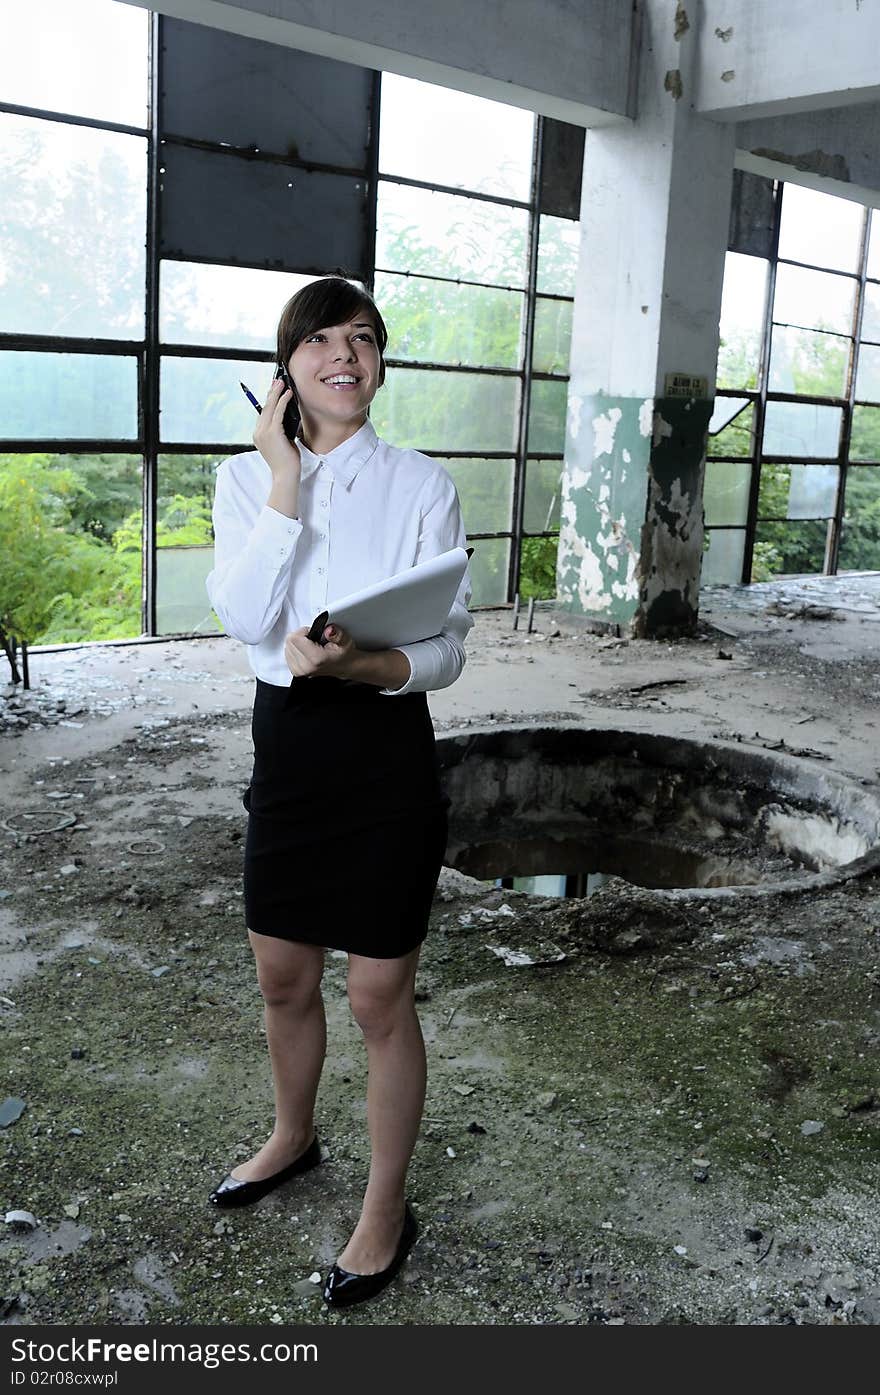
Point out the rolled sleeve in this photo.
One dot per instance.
(252, 562)
(438, 661)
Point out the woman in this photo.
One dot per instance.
(347, 819)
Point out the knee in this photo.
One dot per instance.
(286, 990)
(377, 1014)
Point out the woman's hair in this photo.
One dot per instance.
(330, 301)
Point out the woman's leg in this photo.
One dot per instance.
(381, 995)
(289, 975)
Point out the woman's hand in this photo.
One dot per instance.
(306, 659)
(280, 454)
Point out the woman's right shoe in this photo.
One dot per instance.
(232, 1191)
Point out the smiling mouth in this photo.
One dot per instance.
(341, 381)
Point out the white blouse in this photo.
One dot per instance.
(366, 511)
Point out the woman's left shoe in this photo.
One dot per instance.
(341, 1288)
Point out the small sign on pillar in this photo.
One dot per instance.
(685, 385)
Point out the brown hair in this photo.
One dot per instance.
(332, 300)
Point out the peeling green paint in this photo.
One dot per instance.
(672, 536)
(604, 493)
(631, 535)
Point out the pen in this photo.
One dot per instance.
(250, 396)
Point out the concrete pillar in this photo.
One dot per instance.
(654, 220)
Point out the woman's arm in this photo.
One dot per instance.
(252, 560)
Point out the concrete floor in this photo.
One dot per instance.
(150, 742)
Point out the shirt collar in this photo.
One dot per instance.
(345, 460)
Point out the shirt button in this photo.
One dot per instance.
(320, 571)
(323, 503)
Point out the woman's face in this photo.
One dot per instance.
(336, 371)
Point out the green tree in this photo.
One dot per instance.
(44, 565)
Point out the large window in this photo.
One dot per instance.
(792, 482)
(73, 203)
(476, 286)
(130, 309)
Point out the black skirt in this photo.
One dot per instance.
(347, 821)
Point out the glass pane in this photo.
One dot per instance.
(802, 360)
(813, 299)
(723, 557)
(87, 58)
(742, 319)
(184, 543)
(871, 316)
(73, 207)
(446, 137)
(865, 440)
(797, 491)
(88, 396)
(789, 549)
(436, 411)
(868, 376)
(860, 535)
(874, 247)
(70, 566)
(543, 495)
(537, 575)
(485, 489)
(234, 307)
(553, 319)
(419, 230)
(182, 605)
(559, 243)
(726, 491)
(200, 398)
(547, 413)
(185, 496)
(735, 436)
(820, 228)
(801, 429)
(439, 322)
(488, 570)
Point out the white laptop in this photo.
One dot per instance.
(405, 608)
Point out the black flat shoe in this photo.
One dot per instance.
(341, 1288)
(234, 1192)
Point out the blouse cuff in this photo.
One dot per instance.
(407, 687)
(274, 536)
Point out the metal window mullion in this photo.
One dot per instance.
(454, 280)
(371, 211)
(28, 445)
(761, 403)
(466, 281)
(456, 193)
(836, 522)
(215, 351)
(423, 365)
(528, 340)
(68, 119)
(149, 406)
(73, 344)
(258, 157)
(811, 266)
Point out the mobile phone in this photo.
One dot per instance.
(316, 633)
(291, 412)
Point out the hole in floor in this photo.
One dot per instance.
(557, 810)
